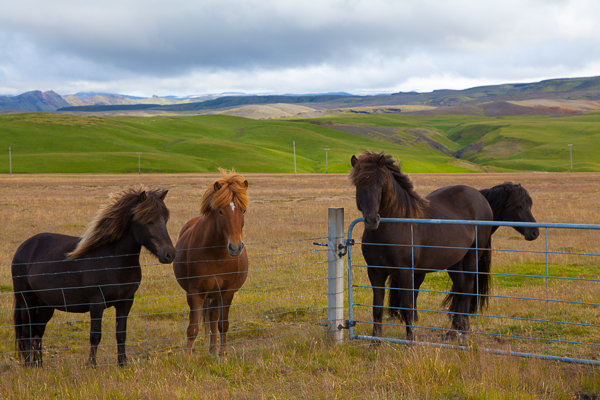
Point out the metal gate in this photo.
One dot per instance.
(557, 317)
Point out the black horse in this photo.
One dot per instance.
(512, 203)
(509, 203)
(49, 271)
(382, 190)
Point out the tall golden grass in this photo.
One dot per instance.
(278, 346)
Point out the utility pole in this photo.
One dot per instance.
(326, 168)
(294, 146)
(571, 156)
(10, 159)
(139, 165)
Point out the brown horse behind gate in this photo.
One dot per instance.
(383, 191)
(211, 264)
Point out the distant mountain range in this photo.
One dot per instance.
(479, 100)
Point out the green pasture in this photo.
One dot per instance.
(51, 143)
(47, 143)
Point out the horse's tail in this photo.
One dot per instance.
(483, 278)
(18, 324)
(394, 304)
(483, 284)
(206, 306)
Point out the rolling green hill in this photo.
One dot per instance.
(50, 143)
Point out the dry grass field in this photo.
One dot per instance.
(278, 346)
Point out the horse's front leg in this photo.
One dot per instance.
(194, 300)
(122, 309)
(378, 297)
(214, 315)
(96, 311)
(224, 324)
(463, 287)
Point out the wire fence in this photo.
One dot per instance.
(284, 297)
(545, 301)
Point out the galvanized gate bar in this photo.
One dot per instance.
(351, 322)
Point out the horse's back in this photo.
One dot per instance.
(42, 250)
(192, 222)
(35, 261)
(458, 202)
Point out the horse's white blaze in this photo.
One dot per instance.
(232, 206)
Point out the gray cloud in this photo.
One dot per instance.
(188, 47)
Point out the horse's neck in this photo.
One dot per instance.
(207, 231)
(496, 205)
(390, 206)
(127, 247)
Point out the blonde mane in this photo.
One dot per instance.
(232, 188)
(113, 219)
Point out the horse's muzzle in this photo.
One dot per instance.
(532, 235)
(371, 223)
(235, 251)
(167, 256)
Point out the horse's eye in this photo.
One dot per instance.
(244, 211)
(220, 212)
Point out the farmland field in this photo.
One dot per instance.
(278, 348)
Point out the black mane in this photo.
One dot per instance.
(400, 200)
(507, 196)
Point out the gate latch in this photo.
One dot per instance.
(349, 242)
(348, 325)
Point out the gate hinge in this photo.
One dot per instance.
(348, 325)
(349, 242)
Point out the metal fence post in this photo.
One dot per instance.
(335, 285)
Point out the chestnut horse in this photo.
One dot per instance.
(510, 203)
(211, 264)
(382, 190)
(91, 273)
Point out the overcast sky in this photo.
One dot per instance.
(181, 47)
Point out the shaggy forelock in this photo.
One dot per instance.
(368, 172)
(232, 189)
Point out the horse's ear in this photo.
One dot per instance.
(162, 196)
(143, 196)
(381, 161)
(353, 161)
(217, 186)
(246, 184)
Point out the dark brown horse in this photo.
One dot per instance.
(90, 273)
(509, 203)
(382, 190)
(211, 263)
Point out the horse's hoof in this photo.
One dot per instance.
(375, 345)
(449, 336)
(463, 338)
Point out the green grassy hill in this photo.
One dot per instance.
(49, 143)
